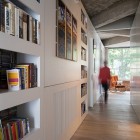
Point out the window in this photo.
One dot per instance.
(119, 62)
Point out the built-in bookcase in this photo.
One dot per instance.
(84, 65)
(21, 44)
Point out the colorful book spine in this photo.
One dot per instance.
(27, 74)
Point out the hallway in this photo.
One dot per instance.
(113, 121)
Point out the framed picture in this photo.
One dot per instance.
(82, 17)
(66, 33)
(74, 39)
(61, 30)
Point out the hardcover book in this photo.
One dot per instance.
(7, 20)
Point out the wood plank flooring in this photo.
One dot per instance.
(115, 120)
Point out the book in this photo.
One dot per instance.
(16, 21)
(20, 23)
(2, 15)
(38, 32)
(31, 74)
(22, 77)
(7, 20)
(13, 79)
(30, 29)
(27, 74)
(1, 131)
(12, 18)
(34, 30)
(24, 26)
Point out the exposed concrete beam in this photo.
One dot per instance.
(115, 12)
(120, 45)
(125, 23)
(115, 40)
(125, 33)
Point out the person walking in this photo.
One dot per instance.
(104, 79)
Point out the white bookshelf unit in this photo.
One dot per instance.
(28, 101)
(84, 66)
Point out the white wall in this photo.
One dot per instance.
(62, 99)
(59, 70)
(135, 64)
(93, 84)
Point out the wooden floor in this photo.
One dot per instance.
(115, 120)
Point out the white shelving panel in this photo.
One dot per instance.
(29, 102)
(84, 66)
(18, 97)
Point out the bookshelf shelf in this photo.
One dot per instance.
(84, 66)
(19, 45)
(33, 134)
(83, 98)
(83, 63)
(84, 115)
(34, 5)
(84, 80)
(18, 97)
(83, 27)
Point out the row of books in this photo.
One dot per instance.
(84, 37)
(23, 76)
(83, 54)
(17, 22)
(83, 72)
(83, 108)
(11, 126)
(7, 61)
(83, 89)
(83, 19)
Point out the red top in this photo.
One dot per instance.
(104, 74)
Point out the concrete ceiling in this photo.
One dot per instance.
(112, 19)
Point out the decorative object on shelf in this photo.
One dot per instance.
(13, 79)
(66, 30)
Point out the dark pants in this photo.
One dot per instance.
(105, 87)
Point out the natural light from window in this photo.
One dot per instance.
(119, 62)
